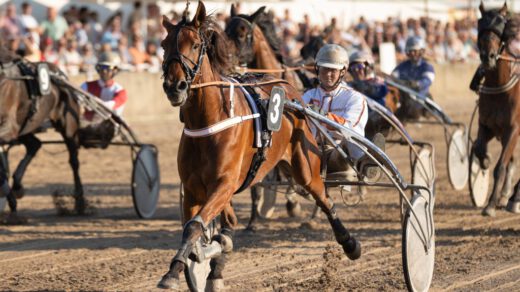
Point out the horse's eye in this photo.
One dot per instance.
(196, 46)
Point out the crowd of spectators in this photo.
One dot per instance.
(74, 39)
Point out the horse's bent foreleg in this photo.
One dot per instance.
(32, 145)
(219, 201)
(508, 141)
(480, 147)
(306, 172)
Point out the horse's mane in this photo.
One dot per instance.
(266, 24)
(218, 48)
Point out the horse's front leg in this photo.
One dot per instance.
(32, 145)
(306, 172)
(508, 141)
(194, 228)
(505, 194)
(480, 147)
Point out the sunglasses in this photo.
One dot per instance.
(357, 66)
(104, 67)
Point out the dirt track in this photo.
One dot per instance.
(113, 250)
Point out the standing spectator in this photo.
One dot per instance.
(113, 33)
(54, 26)
(49, 54)
(154, 58)
(10, 26)
(138, 54)
(93, 29)
(70, 60)
(79, 33)
(135, 20)
(89, 61)
(28, 23)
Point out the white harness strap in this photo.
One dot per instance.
(225, 124)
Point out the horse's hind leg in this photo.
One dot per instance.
(32, 145)
(508, 183)
(228, 221)
(255, 199)
(513, 205)
(508, 141)
(80, 203)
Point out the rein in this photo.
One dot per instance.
(229, 84)
(284, 70)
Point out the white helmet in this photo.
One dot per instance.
(414, 43)
(332, 56)
(109, 59)
(361, 57)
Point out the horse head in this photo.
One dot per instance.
(491, 28)
(240, 30)
(311, 48)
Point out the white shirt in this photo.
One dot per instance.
(343, 101)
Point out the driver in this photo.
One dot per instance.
(362, 70)
(95, 131)
(339, 102)
(416, 71)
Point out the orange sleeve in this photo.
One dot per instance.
(336, 118)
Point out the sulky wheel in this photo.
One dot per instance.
(145, 181)
(418, 243)
(458, 162)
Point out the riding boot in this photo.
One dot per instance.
(476, 80)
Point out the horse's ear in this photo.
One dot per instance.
(481, 7)
(255, 15)
(167, 23)
(233, 10)
(200, 15)
(503, 10)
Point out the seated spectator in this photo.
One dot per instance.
(54, 26)
(70, 60)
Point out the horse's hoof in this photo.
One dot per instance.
(310, 225)
(513, 207)
(215, 285)
(169, 282)
(294, 209)
(251, 228)
(503, 202)
(489, 211)
(13, 219)
(352, 248)
(18, 192)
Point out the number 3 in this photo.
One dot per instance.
(274, 116)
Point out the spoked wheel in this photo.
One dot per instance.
(145, 181)
(423, 171)
(478, 182)
(418, 244)
(267, 194)
(4, 167)
(458, 162)
(196, 273)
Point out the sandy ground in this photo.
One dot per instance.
(114, 250)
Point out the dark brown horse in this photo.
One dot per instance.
(257, 45)
(212, 168)
(23, 113)
(499, 104)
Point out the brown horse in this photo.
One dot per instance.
(212, 168)
(499, 107)
(23, 113)
(257, 45)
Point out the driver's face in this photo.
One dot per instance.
(415, 55)
(106, 74)
(328, 77)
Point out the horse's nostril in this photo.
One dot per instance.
(182, 85)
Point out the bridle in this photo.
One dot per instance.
(495, 25)
(189, 72)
